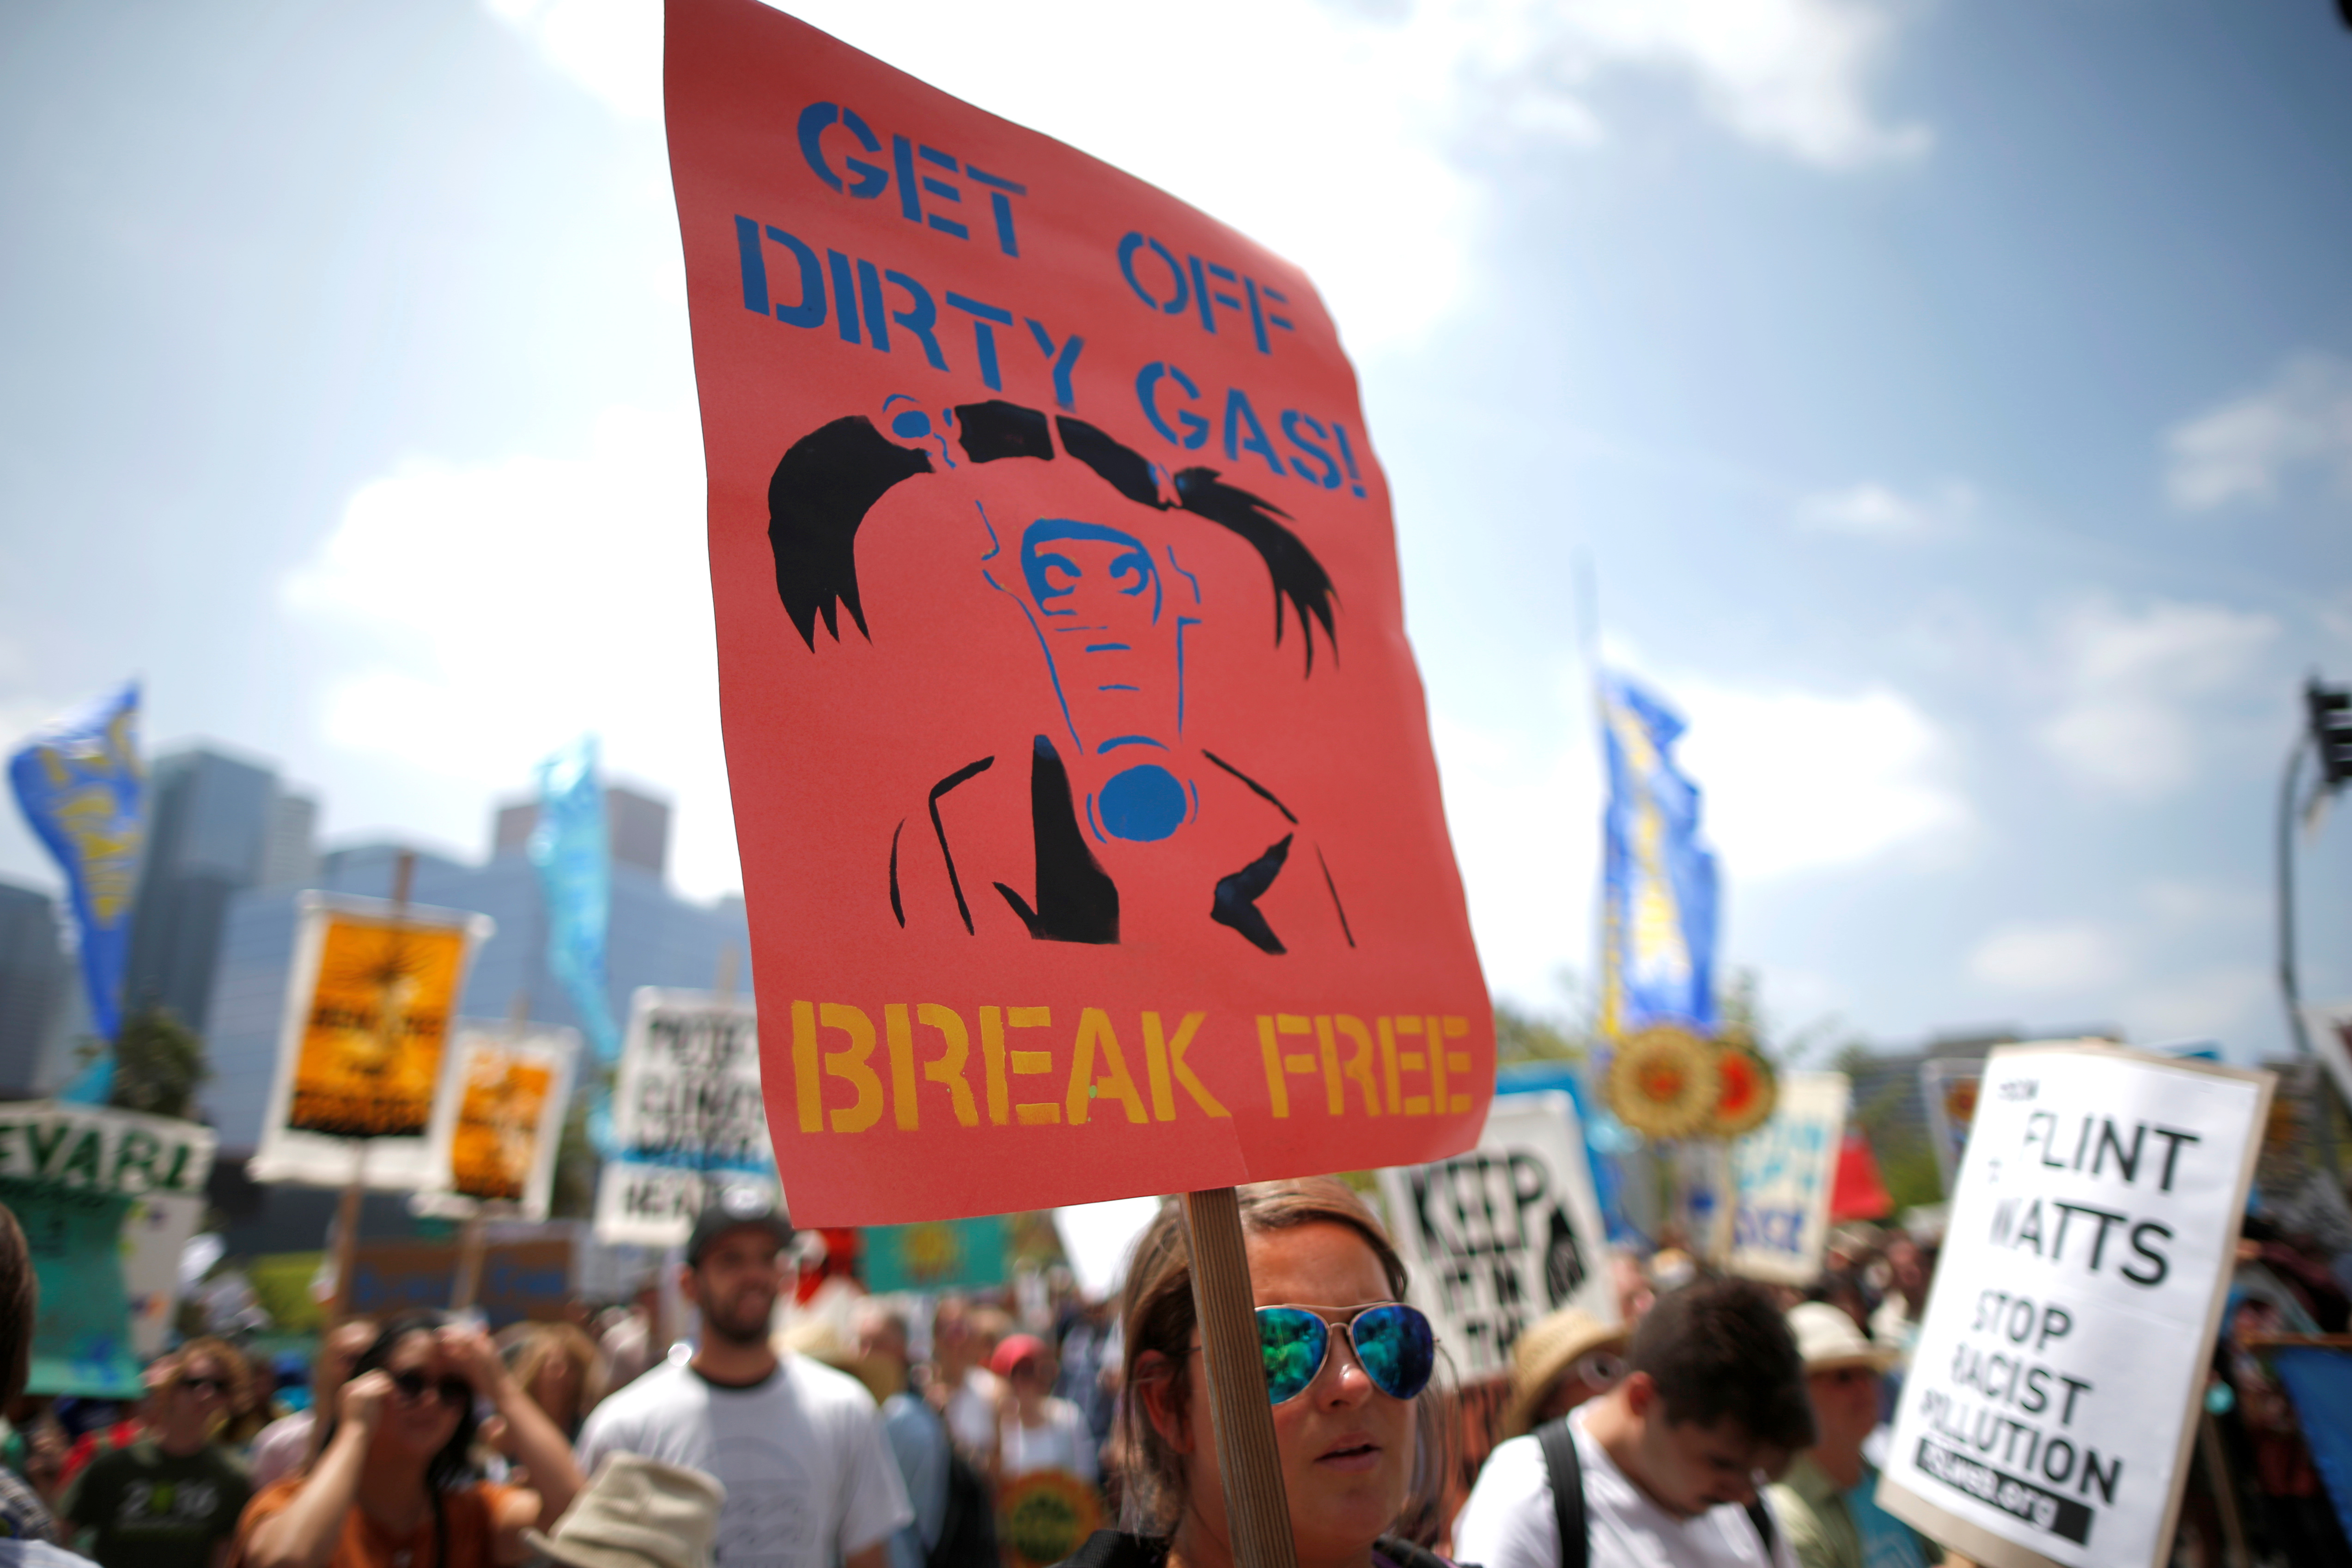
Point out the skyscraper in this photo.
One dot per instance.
(36, 976)
(209, 822)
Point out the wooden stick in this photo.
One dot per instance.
(469, 1282)
(2225, 1493)
(347, 1233)
(1257, 1513)
(347, 1213)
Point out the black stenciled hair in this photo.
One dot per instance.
(832, 477)
(1720, 1349)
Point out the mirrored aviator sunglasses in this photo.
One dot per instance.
(1392, 1342)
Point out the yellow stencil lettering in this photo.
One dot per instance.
(1166, 1057)
(1094, 1025)
(1359, 1061)
(1033, 1064)
(1279, 1063)
(1412, 1061)
(902, 1065)
(853, 1065)
(1335, 1101)
(806, 1090)
(947, 1069)
(1456, 1061)
(991, 1050)
(1389, 1065)
(1277, 1092)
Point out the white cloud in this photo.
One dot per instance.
(1869, 511)
(1799, 780)
(490, 612)
(1526, 824)
(2226, 1003)
(2070, 957)
(2131, 686)
(1349, 117)
(2244, 450)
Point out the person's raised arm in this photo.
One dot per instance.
(304, 1534)
(531, 1436)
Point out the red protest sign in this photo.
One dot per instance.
(1082, 778)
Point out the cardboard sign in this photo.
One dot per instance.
(500, 1115)
(2051, 1403)
(1505, 1234)
(1784, 1174)
(81, 1335)
(156, 1230)
(687, 1113)
(89, 1148)
(369, 1001)
(519, 1279)
(933, 1255)
(1084, 788)
(2329, 1027)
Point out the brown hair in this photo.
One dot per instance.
(1156, 1309)
(545, 1343)
(236, 1374)
(20, 1303)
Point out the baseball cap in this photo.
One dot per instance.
(731, 1209)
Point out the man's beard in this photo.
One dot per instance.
(751, 1329)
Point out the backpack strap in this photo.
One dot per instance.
(1761, 1518)
(1565, 1474)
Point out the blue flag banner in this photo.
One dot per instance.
(573, 854)
(2319, 1382)
(82, 788)
(1658, 883)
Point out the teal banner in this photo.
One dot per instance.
(937, 1255)
(81, 1340)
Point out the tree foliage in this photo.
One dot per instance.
(158, 1063)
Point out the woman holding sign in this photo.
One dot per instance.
(1345, 1363)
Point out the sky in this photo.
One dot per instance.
(1948, 403)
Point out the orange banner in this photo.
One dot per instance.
(1082, 775)
(379, 1016)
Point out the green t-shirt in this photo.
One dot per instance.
(147, 1509)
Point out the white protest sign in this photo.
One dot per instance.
(1784, 1173)
(2049, 1408)
(2329, 1025)
(499, 1117)
(1505, 1234)
(686, 1115)
(369, 998)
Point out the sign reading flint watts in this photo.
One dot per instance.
(2052, 1397)
(686, 1114)
(1082, 773)
(369, 1003)
(1503, 1234)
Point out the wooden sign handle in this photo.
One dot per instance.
(1257, 1513)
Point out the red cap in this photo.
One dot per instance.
(1013, 1350)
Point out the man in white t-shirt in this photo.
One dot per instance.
(810, 1482)
(1671, 1460)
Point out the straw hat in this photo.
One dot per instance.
(1544, 1353)
(1827, 1340)
(637, 1513)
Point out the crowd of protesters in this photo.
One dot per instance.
(1721, 1422)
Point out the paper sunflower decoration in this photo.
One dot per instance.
(1665, 1082)
(1749, 1088)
